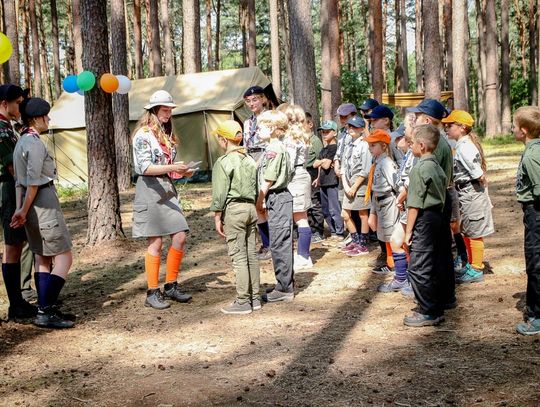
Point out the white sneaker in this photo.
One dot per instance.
(301, 263)
(345, 242)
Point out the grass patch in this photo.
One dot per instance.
(507, 139)
(72, 192)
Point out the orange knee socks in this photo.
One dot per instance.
(389, 257)
(174, 260)
(151, 265)
(475, 251)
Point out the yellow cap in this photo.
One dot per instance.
(459, 116)
(229, 129)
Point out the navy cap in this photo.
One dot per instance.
(37, 107)
(356, 121)
(399, 132)
(328, 125)
(379, 112)
(10, 92)
(431, 107)
(369, 104)
(346, 109)
(254, 90)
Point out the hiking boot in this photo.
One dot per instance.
(383, 269)
(316, 238)
(237, 308)
(469, 275)
(379, 261)
(155, 299)
(417, 320)
(171, 291)
(407, 291)
(276, 296)
(256, 304)
(22, 310)
(392, 286)
(530, 327)
(358, 250)
(264, 253)
(301, 263)
(63, 315)
(48, 318)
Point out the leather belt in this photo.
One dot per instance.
(463, 185)
(381, 197)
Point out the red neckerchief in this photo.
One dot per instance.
(30, 131)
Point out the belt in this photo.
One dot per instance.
(298, 165)
(240, 200)
(255, 149)
(47, 185)
(463, 185)
(381, 197)
(534, 204)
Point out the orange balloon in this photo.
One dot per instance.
(108, 82)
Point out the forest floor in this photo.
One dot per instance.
(340, 343)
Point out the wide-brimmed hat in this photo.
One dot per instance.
(160, 98)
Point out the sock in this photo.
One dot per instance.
(42, 281)
(151, 265)
(54, 286)
(389, 258)
(356, 238)
(477, 251)
(460, 247)
(400, 266)
(304, 241)
(468, 247)
(174, 260)
(364, 238)
(12, 280)
(264, 231)
(383, 246)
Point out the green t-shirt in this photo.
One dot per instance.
(427, 184)
(314, 149)
(528, 173)
(443, 154)
(275, 165)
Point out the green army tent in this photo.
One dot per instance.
(204, 99)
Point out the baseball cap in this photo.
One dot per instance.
(229, 129)
(9, 92)
(399, 132)
(254, 90)
(160, 98)
(328, 125)
(431, 107)
(346, 109)
(378, 135)
(379, 112)
(369, 104)
(36, 107)
(459, 116)
(356, 121)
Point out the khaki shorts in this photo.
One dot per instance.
(384, 206)
(300, 189)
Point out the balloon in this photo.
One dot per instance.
(108, 82)
(5, 48)
(86, 80)
(124, 84)
(80, 92)
(70, 84)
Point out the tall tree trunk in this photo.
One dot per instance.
(243, 19)
(191, 36)
(460, 32)
(537, 43)
(419, 46)
(522, 38)
(401, 69)
(69, 48)
(104, 222)
(44, 63)
(11, 28)
(532, 54)
(303, 57)
(137, 38)
(481, 64)
(342, 18)
(152, 24)
(283, 7)
(274, 47)
(77, 41)
(376, 47)
(252, 37)
(354, 62)
(56, 50)
(120, 105)
(330, 75)
(448, 28)
(506, 110)
(493, 119)
(25, 18)
(218, 27)
(167, 42)
(35, 48)
(432, 49)
(209, 50)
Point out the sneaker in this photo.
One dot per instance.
(237, 308)
(48, 318)
(276, 296)
(22, 310)
(379, 261)
(344, 241)
(256, 304)
(264, 253)
(349, 246)
(383, 269)
(392, 286)
(469, 275)
(301, 263)
(316, 238)
(407, 291)
(417, 319)
(155, 299)
(530, 327)
(458, 264)
(358, 250)
(171, 291)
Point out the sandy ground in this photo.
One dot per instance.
(340, 343)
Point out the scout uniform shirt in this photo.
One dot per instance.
(356, 162)
(315, 148)
(234, 179)
(384, 175)
(147, 151)
(251, 137)
(467, 162)
(275, 165)
(8, 139)
(427, 184)
(33, 163)
(443, 154)
(405, 169)
(528, 174)
(343, 139)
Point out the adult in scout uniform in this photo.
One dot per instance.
(14, 239)
(234, 192)
(38, 209)
(315, 214)
(156, 208)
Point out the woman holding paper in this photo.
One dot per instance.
(156, 209)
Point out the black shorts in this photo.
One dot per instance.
(7, 209)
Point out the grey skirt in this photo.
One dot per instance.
(45, 225)
(475, 210)
(156, 209)
(300, 189)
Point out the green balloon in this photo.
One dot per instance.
(86, 80)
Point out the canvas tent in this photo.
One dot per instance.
(204, 99)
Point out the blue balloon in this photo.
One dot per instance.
(70, 84)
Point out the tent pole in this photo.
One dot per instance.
(207, 144)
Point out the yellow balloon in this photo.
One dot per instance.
(5, 48)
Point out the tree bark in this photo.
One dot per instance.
(218, 27)
(252, 34)
(77, 41)
(506, 110)
(448, 29)
(167, 42)
(402, 68)
(209, 50)
(384, 20)
(11, 28)
(376, 46)
(303, 57)
(532, 54)
(35, 48)
(137, 39)
(493, 119)
(120, 105)
(522, 40)
(330, 75)
(152, 24)
(283, 5)
(46, 79)
(104, 222)
(432, 49)
(274, 48)
(480, 64)
(69, 48)
(419, 46)
(460, 32)
(56, 50)
(25, 18)
(191, 36)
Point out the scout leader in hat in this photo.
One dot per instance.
(255, 101)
